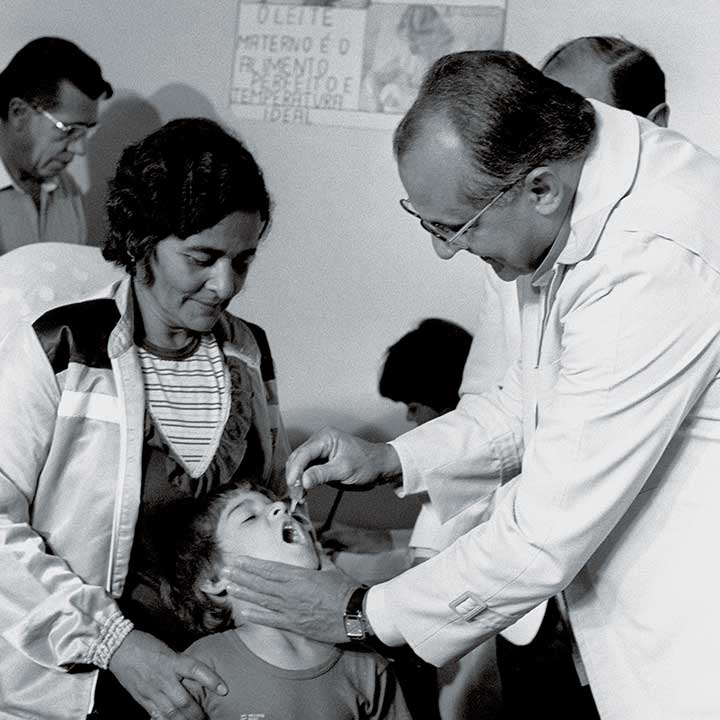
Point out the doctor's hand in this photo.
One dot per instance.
(306, 602)
(334, 456)
(153, 673)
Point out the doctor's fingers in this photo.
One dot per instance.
(315, 449)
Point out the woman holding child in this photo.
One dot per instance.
(117, 407)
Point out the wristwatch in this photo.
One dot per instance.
(357, 627)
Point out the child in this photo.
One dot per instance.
(270, 673)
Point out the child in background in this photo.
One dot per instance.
(270, 673)
(422, 370)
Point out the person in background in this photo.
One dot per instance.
(605, 434)
(117, 407)
(269, 673)
(49, 96)
(614, 71)
(423, 370)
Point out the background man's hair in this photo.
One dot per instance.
(637, 82)
(426, 365)
(35, 72)
(509, 116)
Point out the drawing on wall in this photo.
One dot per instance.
(348, 62)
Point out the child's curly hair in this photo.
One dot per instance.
(195, 559)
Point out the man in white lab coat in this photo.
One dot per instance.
(612, 413)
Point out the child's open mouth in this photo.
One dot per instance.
(290, 532)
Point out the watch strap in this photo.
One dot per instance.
(356, 626)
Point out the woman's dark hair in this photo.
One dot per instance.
(508, 115)
(426, 365)
(182, 179)
(636, 81)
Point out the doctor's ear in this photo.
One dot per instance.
(660, 115)
(545, 190)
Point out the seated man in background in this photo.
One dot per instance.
(49, 95)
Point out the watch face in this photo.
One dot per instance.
(354, 628)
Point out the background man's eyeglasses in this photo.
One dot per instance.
(72, 131)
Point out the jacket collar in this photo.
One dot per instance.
(607, 175)
(123, 335)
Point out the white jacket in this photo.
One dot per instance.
(72, 406)
(614, 414)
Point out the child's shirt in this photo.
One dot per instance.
(349, 685)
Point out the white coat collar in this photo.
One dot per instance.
(607, 175)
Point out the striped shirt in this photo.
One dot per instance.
(188, 398)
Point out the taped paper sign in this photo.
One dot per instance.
(350, 62)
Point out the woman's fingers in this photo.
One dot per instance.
(152, 673)
(189, 668)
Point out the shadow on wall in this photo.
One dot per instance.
(127, 119)
(381, 428)
(177, 100)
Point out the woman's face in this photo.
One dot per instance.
(195, 278)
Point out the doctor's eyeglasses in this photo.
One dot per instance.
(442, 232)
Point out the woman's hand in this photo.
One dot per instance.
(153, 673)
(306, 602)
(334, 456)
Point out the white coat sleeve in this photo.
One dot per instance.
(639, 346)
(464, 455)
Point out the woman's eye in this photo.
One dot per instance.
(200, 260)
(249, 517)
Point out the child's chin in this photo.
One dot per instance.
(304, 558)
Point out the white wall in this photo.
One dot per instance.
(344, 272)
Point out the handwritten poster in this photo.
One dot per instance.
(350, 62)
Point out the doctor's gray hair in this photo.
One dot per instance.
(509, 116)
